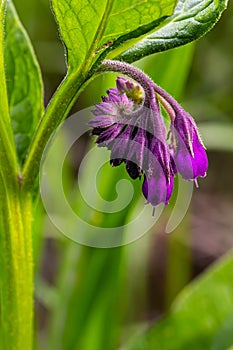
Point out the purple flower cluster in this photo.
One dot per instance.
(129, 123)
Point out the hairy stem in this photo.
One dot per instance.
(169, 103)
(16, 282)
(16, 268)
(132, 72)
(56, 112)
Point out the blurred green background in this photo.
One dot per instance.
(89, 298)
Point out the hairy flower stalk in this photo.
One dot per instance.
(129, 123)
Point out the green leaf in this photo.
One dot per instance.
(8, 164)
(24, 83)
(197, 314)
(224, 337)
(89, 28)
(191, 20)
(217, 136)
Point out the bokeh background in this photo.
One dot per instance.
(83, 292)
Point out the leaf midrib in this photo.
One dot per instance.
(99, 33)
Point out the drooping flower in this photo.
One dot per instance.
(187, 148)
(129, 123)
(159, 176)
(137, 137)
(189, 152)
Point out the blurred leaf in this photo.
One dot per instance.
(39, 22)
(217, 136)
(197, 314)
(224, 337)
(96, 293)
(91, 27)
(191, 20)
(89, 284)
(24, 84)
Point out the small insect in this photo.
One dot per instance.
(104, 46)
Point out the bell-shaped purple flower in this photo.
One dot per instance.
(189, 152)
(156, 189)
(136, 138)
(159, 176)
(114, 127)
(129, 123)
(187, 148)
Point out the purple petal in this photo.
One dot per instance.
(138, 148)
(160, 154)
(170, 186)
(190, 167)
(156, 189)
(108, 135)
(113, 91)
(113, 97)
(105, 99)
(125, 100)
(200, 160)
(119, 146)
(102, 121)
(124, 84)
(105, 108)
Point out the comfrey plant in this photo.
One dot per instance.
(98, 36)
(129, 123)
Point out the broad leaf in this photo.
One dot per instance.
(131, 30)
(24, 84)
(191, 20)
(197, 315)
(224, 336)
(88, 28)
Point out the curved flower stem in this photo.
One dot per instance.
(169, 103)
(151, 100)
(132, 72)
(167, 107)
(61, 104)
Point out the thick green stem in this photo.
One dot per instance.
(16, 269)
(16, 283)
(55, 113)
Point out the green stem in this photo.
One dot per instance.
(56, 112)
(17, 268)
(16, 284)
